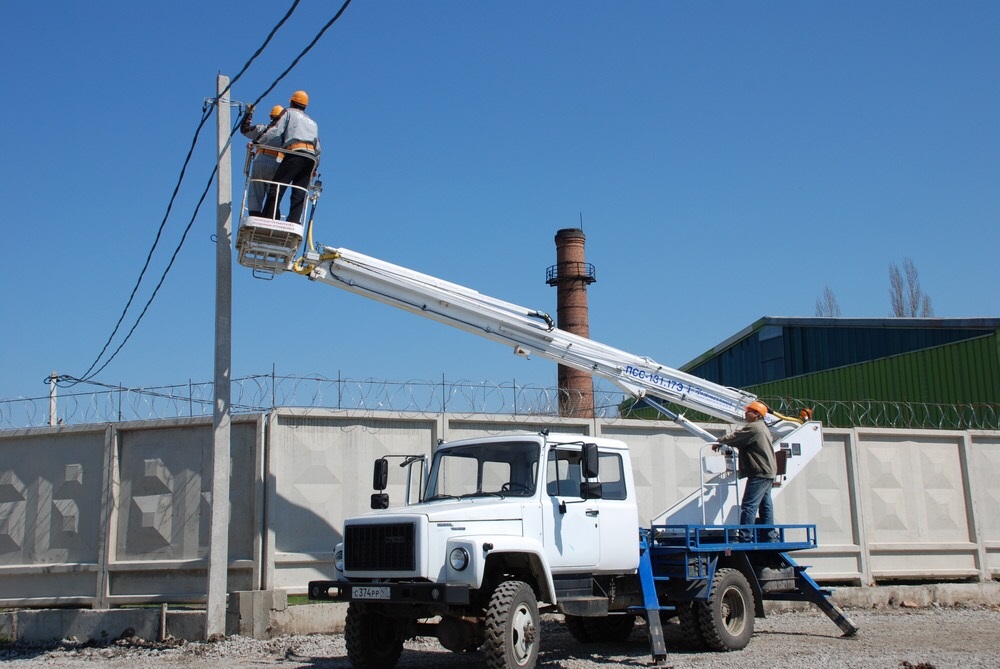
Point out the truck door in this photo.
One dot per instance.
(572, 525)
(619, 517)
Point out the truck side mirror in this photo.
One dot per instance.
(591, 490)
(589, 463)
(380, 476)
(380, 501)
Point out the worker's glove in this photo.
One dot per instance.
(247, 118)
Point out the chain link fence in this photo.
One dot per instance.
(101, 403)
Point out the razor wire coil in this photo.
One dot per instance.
(262, 392)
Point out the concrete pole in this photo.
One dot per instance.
(218, 553)
(53, 406)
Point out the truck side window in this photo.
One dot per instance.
(562, 476)
(612, 476)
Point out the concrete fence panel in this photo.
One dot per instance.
(161, 510)
(51, 529)
(984, 485)
(824, 494)
(319, 473)
(914, 501)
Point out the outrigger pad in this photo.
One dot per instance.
(268, 244)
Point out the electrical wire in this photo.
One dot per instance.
(69, 381)
(206, 114)
(304, 52)
(163, 277)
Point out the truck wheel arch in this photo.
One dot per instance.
(527, 566)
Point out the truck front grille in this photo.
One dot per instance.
(379, 547)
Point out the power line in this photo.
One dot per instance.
(304, 51)
(89, 374)
(206, 114)
(163, 277)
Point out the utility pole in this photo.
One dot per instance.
(53, 417)
(218, 552)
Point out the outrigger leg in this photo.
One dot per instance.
(651, 602)
(821, 598)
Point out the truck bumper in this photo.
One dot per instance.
(389, 593)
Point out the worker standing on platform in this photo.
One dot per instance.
(265, 162)
(757, 465)
(294, 131)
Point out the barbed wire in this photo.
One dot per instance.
(905, 415)
(262, 392)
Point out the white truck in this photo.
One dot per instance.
(506, 526)
(495, 529)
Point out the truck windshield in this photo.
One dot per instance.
(502, 469)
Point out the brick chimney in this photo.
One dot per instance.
(570, 275)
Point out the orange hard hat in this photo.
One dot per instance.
(276, 111)
(300, 98)
(759, 407)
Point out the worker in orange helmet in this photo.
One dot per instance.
(757, 466)
(298, 135)
(265, 161)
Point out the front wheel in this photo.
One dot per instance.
(726, 619)
(512, 629)
(373, 641)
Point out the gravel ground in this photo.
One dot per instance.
(931, 638)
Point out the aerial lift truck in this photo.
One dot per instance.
(501, 528)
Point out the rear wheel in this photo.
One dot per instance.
(373, 640)
(726, 619)
(512, 630)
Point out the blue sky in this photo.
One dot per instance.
(729, 161)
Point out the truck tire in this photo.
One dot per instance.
(373, 641)
(512, 629)
(603, 629)
(726, 619)
(610, 629)
(687, 615)
(577, 627)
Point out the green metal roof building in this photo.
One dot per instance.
(888, 372)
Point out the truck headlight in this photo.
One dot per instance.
(459, 558)
(338, 559)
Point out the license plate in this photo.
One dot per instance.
(369, 592)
